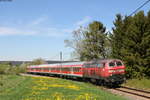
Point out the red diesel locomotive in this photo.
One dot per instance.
(109, 71)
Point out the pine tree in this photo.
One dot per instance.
(130, 42)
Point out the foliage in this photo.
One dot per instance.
(76, 42)
(143, 83)
(130, 42)
(9, 69)
(95, 42)
(38, 61)
(90, 42)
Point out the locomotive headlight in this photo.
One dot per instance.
(120, 70)
(111, 71)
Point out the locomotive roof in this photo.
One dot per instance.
(105, 59)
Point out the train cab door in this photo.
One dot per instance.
(93, 69)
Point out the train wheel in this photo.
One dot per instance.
(93, 81)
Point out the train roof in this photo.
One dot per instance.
(49, 65)
(74, 63)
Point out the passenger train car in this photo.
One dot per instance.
(109, 71)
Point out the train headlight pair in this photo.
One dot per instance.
(111, 71)
(118, 70)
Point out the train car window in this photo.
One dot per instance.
(76, 69)
(103, 65)
(84, 66)
(93, 65)
(112, 64)
(65, 69)
(87, 65)
(46, 68)
(119, 63)
(58, 69)
(52, 69)
(99, 65)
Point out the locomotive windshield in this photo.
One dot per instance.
(113, 64)
(119, 63)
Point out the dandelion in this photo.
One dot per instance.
(86, 96)
(74, 87)
(58, 96)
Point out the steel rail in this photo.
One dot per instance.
(134, 91)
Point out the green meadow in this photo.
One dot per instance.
(14, 87)
(139, 83)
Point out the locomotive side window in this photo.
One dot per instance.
(112, 64)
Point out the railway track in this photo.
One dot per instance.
(132, 91)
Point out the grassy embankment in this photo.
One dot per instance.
(47, 88)
(140, 84)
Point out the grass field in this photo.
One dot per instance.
(49, 88)
(140, 84)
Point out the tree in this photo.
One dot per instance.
(130, 42)
(76, 42)
(95, 42)
(38, 61)
(91, 42)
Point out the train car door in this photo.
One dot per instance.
(86, 70)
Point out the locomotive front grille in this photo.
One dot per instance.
(116, 78)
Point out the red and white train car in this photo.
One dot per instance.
(70, 69)
(106, 70)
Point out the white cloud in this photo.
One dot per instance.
(35, 28)
(39, 20)
(15, 31)
(84, 21)
(52, 32)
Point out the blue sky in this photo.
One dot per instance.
(31, 29)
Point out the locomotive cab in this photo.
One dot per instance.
(107, 70)
(115, 71)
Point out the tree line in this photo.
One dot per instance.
(7, 68)
(129, 41)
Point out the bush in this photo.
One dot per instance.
(9, 69)
(5, 68)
